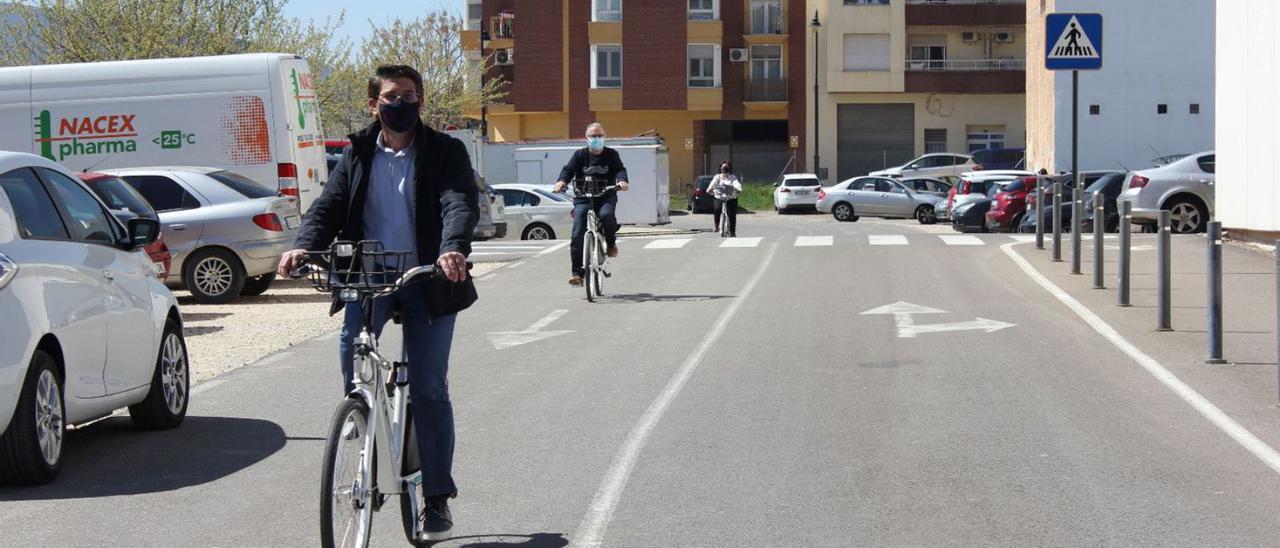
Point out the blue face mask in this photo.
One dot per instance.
(595, 143)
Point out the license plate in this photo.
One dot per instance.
(291, 222)
(802, 192)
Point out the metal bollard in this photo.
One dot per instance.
(1164, 275)
(1214, 236)
(1057, 221)
(1099, 231)
(1077, 206)
(1126, 255)
(1039, 212)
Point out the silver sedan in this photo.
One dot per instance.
(878, 197)
(226, 232)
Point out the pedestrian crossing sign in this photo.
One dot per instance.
(1073, 41)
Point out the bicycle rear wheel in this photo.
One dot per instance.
(598, 275)
(346, 486)
(588, 263)
(724, 219)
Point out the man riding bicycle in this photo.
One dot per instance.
(604, 165)
(411, 188)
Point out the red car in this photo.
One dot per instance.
(1009, 205)
(120, 197)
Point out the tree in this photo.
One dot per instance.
(433, 45)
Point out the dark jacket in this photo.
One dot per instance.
(445, 204)
(607, 164)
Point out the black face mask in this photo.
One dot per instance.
(399, 117)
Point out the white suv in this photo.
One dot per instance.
(85, 326)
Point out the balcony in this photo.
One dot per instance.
(764, 90)
(966, 12)
(766, 18)
(502, 26)
(965, 76)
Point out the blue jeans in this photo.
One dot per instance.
(427, 342)
(608, 223)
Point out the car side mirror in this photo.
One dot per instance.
(143, 232)
(913, 166)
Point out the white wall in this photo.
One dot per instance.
(1247, 134)
(1154, 51)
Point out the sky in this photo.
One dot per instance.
(360, 13)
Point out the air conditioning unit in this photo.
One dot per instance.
(739, 55)
(969, 37)
(1004, 37)
(505, 57)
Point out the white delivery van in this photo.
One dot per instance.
(648, 170)
(255, 114)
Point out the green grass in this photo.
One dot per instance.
(755, 197)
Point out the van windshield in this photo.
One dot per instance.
(241, 184)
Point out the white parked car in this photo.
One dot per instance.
(878, 197)
(533, 212)
(931, 165)
(1184, 187)
(795, 191)
(85, 326)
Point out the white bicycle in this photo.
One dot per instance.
(724, 219)
(371, 453)
(595, 259)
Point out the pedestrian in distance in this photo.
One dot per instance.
(725, 188)
(604, 165)
(411, 188)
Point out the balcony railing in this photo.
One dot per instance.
(502, 26)
(959, 2)
(764, 89)
(965, 64)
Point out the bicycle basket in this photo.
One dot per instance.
(589, 186)
(364, 267)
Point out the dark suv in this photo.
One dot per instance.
(701, 201)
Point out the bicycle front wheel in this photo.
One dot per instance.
(597, 277)
(589, 264)
(346, 487)
(724, 220)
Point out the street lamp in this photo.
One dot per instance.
(816, 24)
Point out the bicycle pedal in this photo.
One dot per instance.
(607, 275)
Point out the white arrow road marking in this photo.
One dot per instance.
(908, 329)
(506, 339)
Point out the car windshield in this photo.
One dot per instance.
(801, 182)
(704, 182)
(241, 184)
(1016, 186)
(551, 195)
(119, 195)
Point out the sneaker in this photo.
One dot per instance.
(575, 281)
(436, 518)
(612, 251)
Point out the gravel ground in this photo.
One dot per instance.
(223, 337)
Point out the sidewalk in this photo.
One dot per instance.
(1246, 388)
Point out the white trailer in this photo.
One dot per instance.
(255, 114)
(648, 170)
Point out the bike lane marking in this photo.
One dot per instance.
(1265, 453)
(600, 513)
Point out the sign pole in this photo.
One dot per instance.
(1077, 193)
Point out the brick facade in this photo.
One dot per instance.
(540, 59)
(797, 28)
(654, 54)
(579, 67)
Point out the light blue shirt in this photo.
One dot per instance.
(388, 208)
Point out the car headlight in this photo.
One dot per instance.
(8, 269)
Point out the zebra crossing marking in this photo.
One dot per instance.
(814, 241)
(668, 243)
(741, 242)
(961, 239)
(887, 239)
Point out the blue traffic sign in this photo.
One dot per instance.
(1073, 41)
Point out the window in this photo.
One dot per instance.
(987, 139)
(243, 185)
(766, 62)
(519, 198)
(1195, 108)
(606, 66)
(864, 52)
(802, 182)
(766, 16)
(88, 219)
(1095, 110)
(927, 52)
(704, 10)
(935, 140)
(37, 216)
(120, 196)
(1207, 162)
(866, 2)
(704, 66)
(1162, 108)
(475, 13)
(606, 10)
(162, 193)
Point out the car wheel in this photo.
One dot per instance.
(31, 449)
(926, 216)
(1187, 216)
(166, 402)
(538, 231)
(213, 276)
(1017, 221)
(258, 285)
(843, 212)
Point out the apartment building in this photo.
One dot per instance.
(716, 79)
(899, 78)
(1153, 97)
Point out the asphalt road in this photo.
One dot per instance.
(718, 397)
